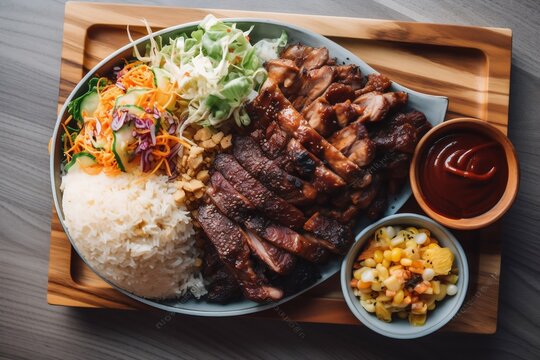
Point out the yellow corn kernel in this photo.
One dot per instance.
(382, 312)
(378, 256)
(406, 262)
(431, 307)
(382, 272)
(407, 300)
(394, 268)
(417, 320)
(365, 296)
(370, 262)
(398, 298)
(442, 292)
(436, 285)
(387, 254)
(411, 244)
(396, 254)
(376, 286)
(433, 245)
(386, 263)
(382, 298)
(357, 274)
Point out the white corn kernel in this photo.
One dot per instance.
(428, 274)
(451, 290)
(420, 238)
(368, 276)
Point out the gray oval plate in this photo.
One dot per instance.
(434, 107)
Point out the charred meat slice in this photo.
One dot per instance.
(272, 140)
(276, 259)
(337, 237)
(231, 245)
(315, 59)
(304, 274)
(272, 104)
(354, 142)
(314, 83)
(345, 113)
(373, 106)
(324, 179)
(401, 133)
(237, 207)
(282, 71)
(375, 82)
(223, 287)
(249, 155)
(321, 116)
(266, 201)
(349, 75)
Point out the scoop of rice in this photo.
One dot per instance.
(133, 233)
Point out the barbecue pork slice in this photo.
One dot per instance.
(273, 206)
(237, 207)
(289, 187)
(272, 104)
(231, 245)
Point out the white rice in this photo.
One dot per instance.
(133, 233)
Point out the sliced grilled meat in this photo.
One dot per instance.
(266, 201)
(238, 208)
(349, 75)
(323, 179)
(375, 82)
(278, 260)
(292, 157)
(321, 116)
(282, 71)
(336, 237)
(231, 245)
(373, 106)
(354, 142)
(291, 188)
(314, 83)
(345, 113)
(272, 104)
(223, 287)
(315, 59)
(401, 133)
(377, 207)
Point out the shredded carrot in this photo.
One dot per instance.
(134, 74)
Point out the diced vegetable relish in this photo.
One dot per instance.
(403, 271)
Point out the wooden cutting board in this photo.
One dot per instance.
(469, 65)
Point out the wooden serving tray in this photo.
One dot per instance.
(470, 65)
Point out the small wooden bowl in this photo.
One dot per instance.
(512, 186)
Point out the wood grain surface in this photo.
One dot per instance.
(471, 66)
(30, 50)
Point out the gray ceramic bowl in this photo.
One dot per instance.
(445, 310)
(434, 107)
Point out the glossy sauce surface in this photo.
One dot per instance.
(463, 175)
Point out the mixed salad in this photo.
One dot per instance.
(135, 120)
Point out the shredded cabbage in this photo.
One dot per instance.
(216, 70)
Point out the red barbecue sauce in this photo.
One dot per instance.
(463, 175)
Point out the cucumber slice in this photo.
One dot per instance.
(99, 143)
(121, 139)
(83, 158)
(90, 103)
(132, 109)
(131, 97)
(162, 78)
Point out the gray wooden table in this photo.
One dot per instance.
(30, 44)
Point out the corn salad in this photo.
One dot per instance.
(403, 271)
